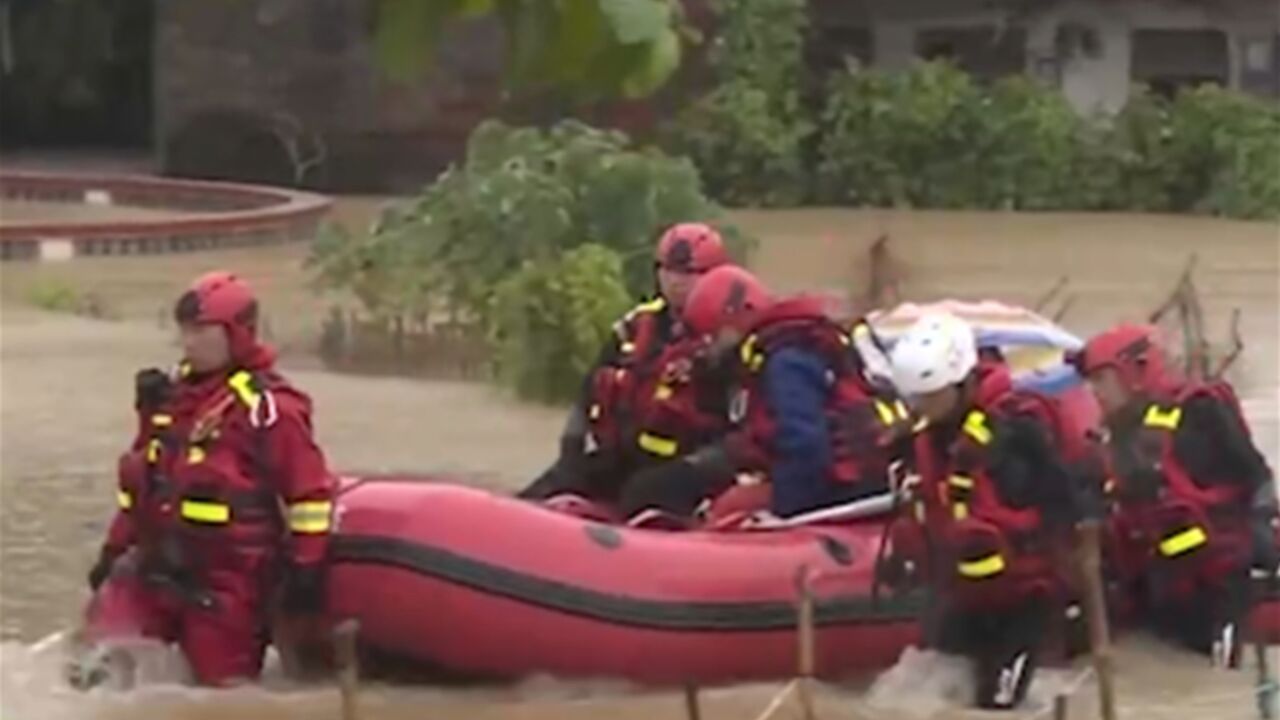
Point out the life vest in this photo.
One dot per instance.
(854, 409)
(641, 335)
(982, 550)
(199, 489)
(1189, 529)
(675, 418)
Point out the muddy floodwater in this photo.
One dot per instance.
(65, 395)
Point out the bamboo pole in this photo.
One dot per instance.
(805, 661)
(776, 704)
(691, 707)
(1266, 682)
(344, 645)
(1095, 609)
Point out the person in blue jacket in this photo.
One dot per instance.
(807, 416)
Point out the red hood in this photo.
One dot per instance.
(193, 390)
(800, 307)
(994, 381)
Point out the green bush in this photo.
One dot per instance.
(902, 139)
(931, 137)
(552, 317)
(54, 296)
(748, 134)
(1223, 154)
(749, 152)
(522, 201)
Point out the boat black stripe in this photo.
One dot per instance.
(613, 608)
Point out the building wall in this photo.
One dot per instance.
(234, 77)
(1101, 81)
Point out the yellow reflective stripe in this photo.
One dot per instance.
(921, 425)
(960, 481)
(627, 348)
(161, 420)
(663, 447)
(657, 304)
(983, 567)
(203, 511)
(1184, 541)
(310, 516)
(1167, 419)
(153, 450)
(242, 383)
(124, 499)
(195, 455)
(901, 407)
(960, 511)
(594, 412)
(975, 426)
(663, 392)
(751, 358)
(844, 339)
(885, 411)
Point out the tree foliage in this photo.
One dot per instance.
(748, 133)
(568, 214)
(592, 48)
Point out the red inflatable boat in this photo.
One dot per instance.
(491, 587)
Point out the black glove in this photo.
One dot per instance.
(101, 569)
(150, 389)
(304, 590)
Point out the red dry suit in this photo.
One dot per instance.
(1183, 477)
(981, 519)
(221, 492)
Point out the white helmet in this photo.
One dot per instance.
(939, 350)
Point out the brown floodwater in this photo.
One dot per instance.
(65, 414)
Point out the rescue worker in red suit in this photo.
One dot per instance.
(1195, 500)
(990, 504)
(223, 495)
(805, 417)
(601, 442)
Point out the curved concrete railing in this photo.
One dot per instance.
(211, 215)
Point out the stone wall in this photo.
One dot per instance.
(238, 83)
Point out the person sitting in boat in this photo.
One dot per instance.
(991, 501)
(805, 417)
(1192, 492)
(599, 443)
(222, 488)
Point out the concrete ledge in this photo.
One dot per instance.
(215, 215)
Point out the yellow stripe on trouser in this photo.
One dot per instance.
(201, 511)
(310, 516)
(124, 499)
(1183, 541)
(983, 567)
(664, 447)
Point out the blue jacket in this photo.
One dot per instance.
(796, 387)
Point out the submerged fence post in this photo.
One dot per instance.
(1095, 611)
(1060, 707)
(344, 645)
(806, 663)
(691, 707)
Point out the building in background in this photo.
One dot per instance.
(289, 92)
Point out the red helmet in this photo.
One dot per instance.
(221, 298)
(691, 248)
(725, 296)
(1132, 350)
